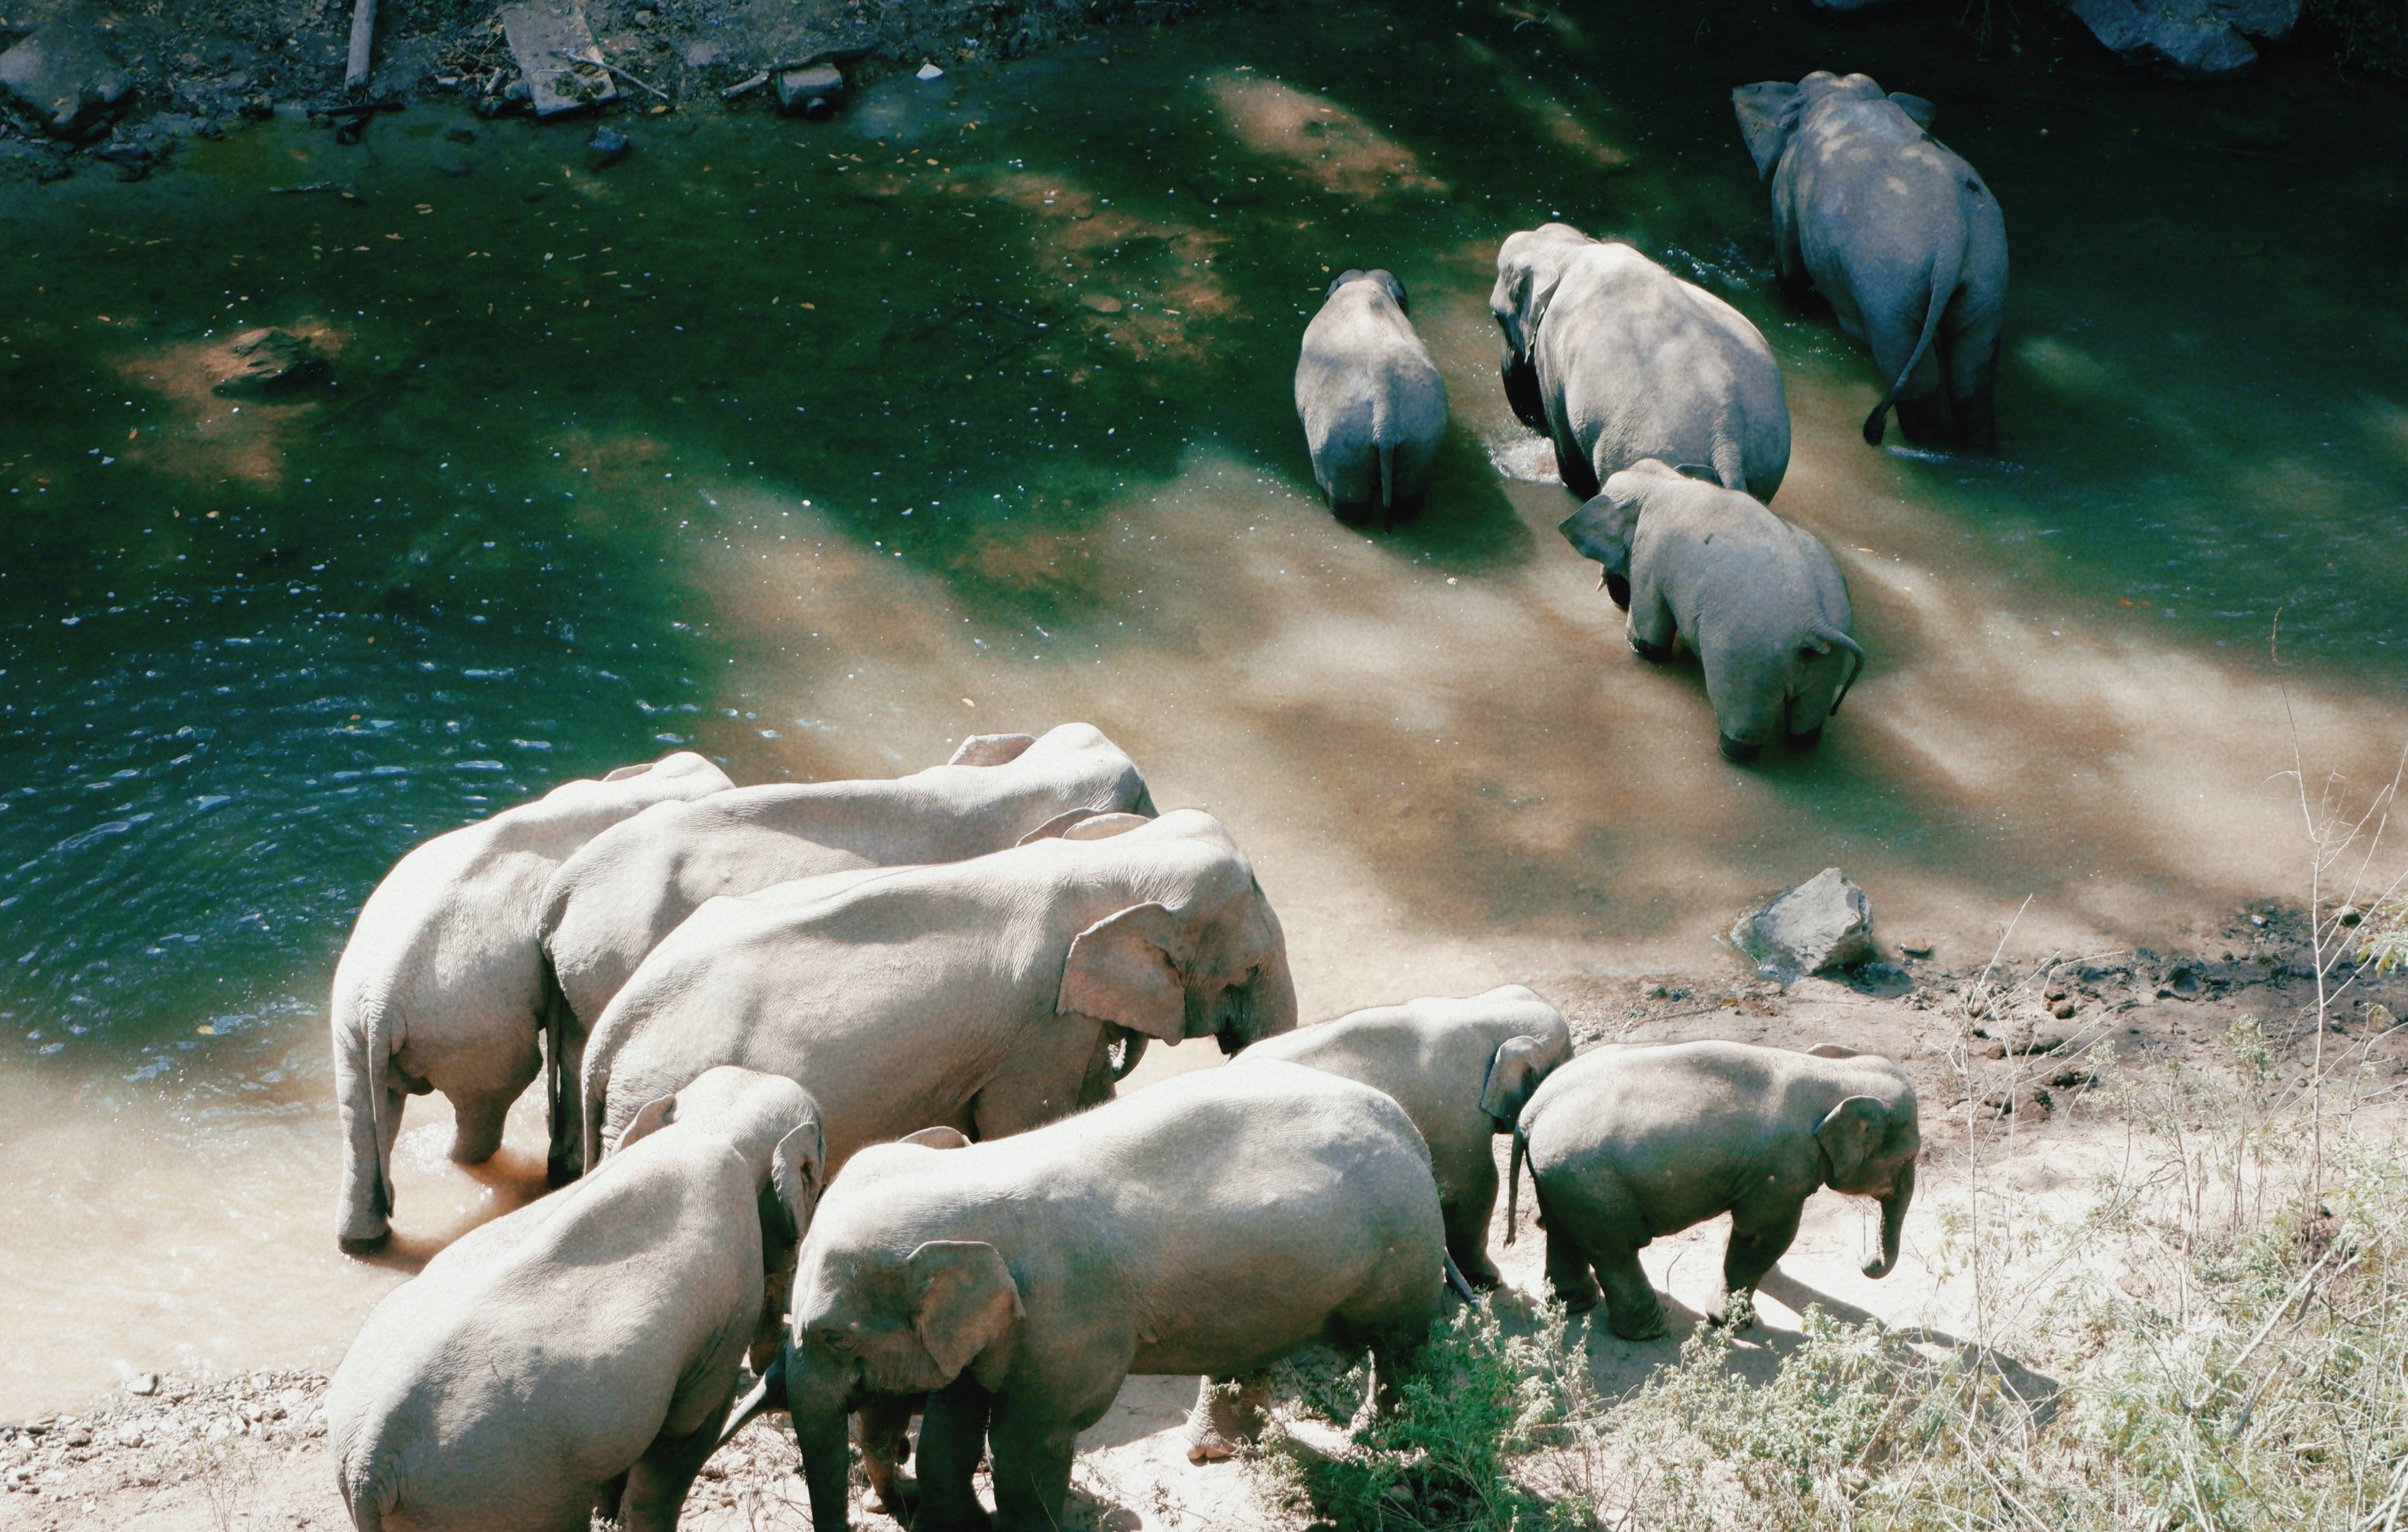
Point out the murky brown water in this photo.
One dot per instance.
(818, 463)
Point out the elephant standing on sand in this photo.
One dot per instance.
(440, 987)
(1760, 600)
(1209, 1223)
(1629, 1144)
(1901, 234)
(1371, 400)
(1616, 359)
(981, 996)
(610, 905)
(580, 1355)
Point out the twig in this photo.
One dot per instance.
(608, 67)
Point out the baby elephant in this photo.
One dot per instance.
(1462, 1069)
(1373, 403)
(1761, 601)
(1627, 1144)
(1209, 1223)
(580, 1355)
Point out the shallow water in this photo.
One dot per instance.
(818, 446)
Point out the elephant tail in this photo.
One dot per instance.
(1945, 269)
(767, 1395)
(1513, 1182)
(364, 1047)
(553, 1005)
(1730, 466)
(1837, 639)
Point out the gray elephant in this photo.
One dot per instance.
(1616, 359)
(1628, 1144)
(982, 994)
(1371, 400)
(615, 900)
(580, 1355)
(1760, 600)
(1211, 1224)
(1899, 234)
(440, 987)
(1462, 1069)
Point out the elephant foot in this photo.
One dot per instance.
(1739, 752)
(1579, 1301)
(1355, 512)
(1924, 420)
(364, 1244)
(1226, 1418)
(1645, 1327)
(1479, 1275)
(1808, 740)
(894, 1494)
(1738, 1313)
(559, 1172)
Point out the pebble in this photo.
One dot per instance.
(607, 147)
(929, 71)
(143, 1384)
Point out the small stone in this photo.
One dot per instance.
(274, 361)
(813, 93)
(929, 71)
(646, 18)
(1918, 947)
(518, 90)
(461, 135)
(2063, 1011)
(606, 148)
(144, 1383)
(1824, 923)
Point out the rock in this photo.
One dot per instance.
(144, 1383)
(703, 55)
(556, 55)
(274, 361)
(929, 71)
(606, 148)
(1916, 948)
(814, 92)
(2268, 21)
(461, 135)
(61, 75)
(1824, 923)
(2189, 38)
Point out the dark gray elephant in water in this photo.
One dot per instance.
(1897, 233)
(1371, 400)
(1760, 600)
(1616, 359)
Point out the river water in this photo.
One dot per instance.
(815, 448)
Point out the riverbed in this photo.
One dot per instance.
(817, 446)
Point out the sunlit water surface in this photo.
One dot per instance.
(815, 448)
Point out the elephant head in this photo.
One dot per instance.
(1201, 954)
(1868, 1145)
(1521, 1064)
(1769, 110)
(1528, 265)
(771, 1124)
(1385, 278)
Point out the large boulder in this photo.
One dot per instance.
(61, 75)
(1824, 923)
(2196, 40)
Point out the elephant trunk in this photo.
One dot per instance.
(1893, 1220)
(816, 1405)
(1262, 1006)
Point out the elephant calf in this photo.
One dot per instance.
(1462, 1069)
(1628, 1144)
(1761, 601)
(1616, 359)
(1901, 234)
(587, 1341)
(1211, 1224)
(1371, 400)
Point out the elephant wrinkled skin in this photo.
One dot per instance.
(1371, 400)
(441, 986)
(1628, 1144)
(1900, 236)
(1209, 1223)
(615, 900)
(1616, 359)
(587, 1339)
(1760, 600)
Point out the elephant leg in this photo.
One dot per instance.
(1578, 473)
(1651, 629)
(1632, 1309)
(1354, 513)
(1033, 1447)
(1924, 419)
(658, 1482)
(885, 1433)
(477, 1124)
(1227, 1415)
(1405, 510)
(1758, 1237)
(1972, 365)
(1466, 1216)
(1747, 698)
(953, 1439)
(1568, 1269)
(1891, 333)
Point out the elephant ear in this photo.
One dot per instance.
(650, 1118)
(1767, 115)
(1396, 289)
(965, 1307)
(986, 750)
(797, 1172)
(1832, 1050)
(940, 1137)
(1083, 825)
(1340, 280)
(1513, 1075)
(1915, 106)
(1122, 969)
(623, 773)
(1847, 1137)
(1602, 529)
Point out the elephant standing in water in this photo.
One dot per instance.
(1211, 1224)
(1628, 1144)
(440, 987)
(614, 901)
(1761, 601)
(1616, 359)
(1371, 400)
(983, 995)
(1900, 235)
(581, 1354)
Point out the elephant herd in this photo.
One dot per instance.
(1641, 380)
(833, 1088)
